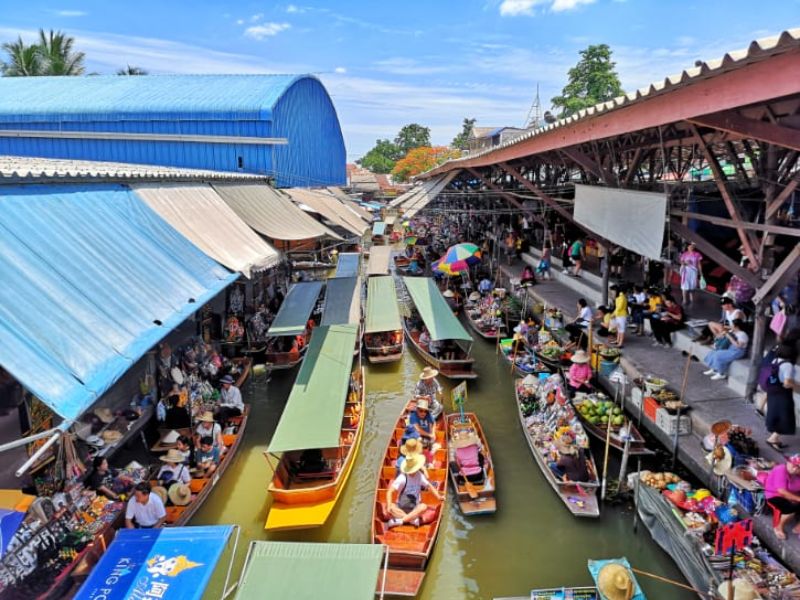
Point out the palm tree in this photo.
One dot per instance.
(23, 60)
(57, 54)
(129, 70)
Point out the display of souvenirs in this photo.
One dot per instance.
(258, 325)
(545, 407)
(234, 329)
(236, 300)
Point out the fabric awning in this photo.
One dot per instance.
(350, 203)
(312, 417)
(390, 220)
(308, 571)
(383, 314)
(438, 317)
(378, 228)
(342, 302)
(329, 208)
(348, 263)
(270, 212)
(379, 257)
(429, 196)
(174, 563)
(296, 309)
(92, 278)
(202, 216)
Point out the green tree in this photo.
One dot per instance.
(381, 158)
(129, 70)
(591, 81)
(23, 60)
(460, 141)
(58, 54)
(412, 136)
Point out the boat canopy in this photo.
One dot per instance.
(308, 570)
(378, 228)
(92, 278)
(390, 220)
(378, 263)
(170, 563)
(438, 317)
(383, 313)
(296, 309)
(342, 302)
(348, 263)
(198, 212)
(313, 415)
(271, 213)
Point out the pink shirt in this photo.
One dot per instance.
(779, 478)
(579, 374)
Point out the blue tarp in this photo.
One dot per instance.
(92, 278)
(170, 564)
(10, 521)
(378, 228)
(348, 264)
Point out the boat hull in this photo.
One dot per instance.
(490, 334)
(485, 503)
(637, 445)
(452, 369)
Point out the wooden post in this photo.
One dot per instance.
(608, 448)
(678, 420)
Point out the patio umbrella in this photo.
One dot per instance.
(411, 240)
(458, 258)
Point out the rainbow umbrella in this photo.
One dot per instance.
(458, 258)
(411, 240)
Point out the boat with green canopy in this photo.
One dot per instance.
(319, 432)
(383, 331)
(379, 257)
(348, 264)
(343, 304)
(435, 332)
(379, 232)
(288, 334)
(307, 570)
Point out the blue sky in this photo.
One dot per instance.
(391, 63)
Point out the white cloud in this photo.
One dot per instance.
(562, 5)
(71, 13)
(340, 70)
(256, 18)
(294, 9)
(513, 8)
(259, 32)
(240, 21)
(408, 66)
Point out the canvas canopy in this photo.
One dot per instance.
(390, 220)
(203, 217)
(270, 212)
(347, 264)
(329, 208)
(383, 313)
(438, 317)
(92, 278)
(349, 213)
(378, 228)
(350, 203)
(296, 309)
(307, 571)
(379, 257)
(342, 302)
(312, 417)
(430, 194)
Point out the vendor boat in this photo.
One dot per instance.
(525, 361)
(589, 406)
(484, 321)
(378, 233)
(319, 433)
(540, 422)
(470, 465)
(409, 547)
(383, 331)
(290, 330)
(342, 304)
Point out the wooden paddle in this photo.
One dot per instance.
(471, 491)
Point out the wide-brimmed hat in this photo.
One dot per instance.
(412, 464)
(448, 294)
(580, 357)
(615, 583)
(106, 415)
(180, 494)
(422, 402)
(411, 446)
(170, 437)
(475, 296)
(173, 456)
(227, 379)
(177, 375)
(206, 417)
(464, 439)
(742, 590)
(111, 435)
(721, 465)
(161, 492)
(428, 373)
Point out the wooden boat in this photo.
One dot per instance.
(380, 351)
(383, 332)
(475, 495)
(525, 361)
(637, 445)
(409, 547)
(474, 318)
(457, 368)
(580, 498)
(278, 360)
(290, 330)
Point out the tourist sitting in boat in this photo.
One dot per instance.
(174, 470)
(145, 509)
(411, 445)
(527, 277)
(403, 498)
(429, 387)
(230, 401)
(577, 327)
(185, 446)
(207, 457)
(571, 463)
(730, 346)
(425, 339)
(206, 426)
(424, 423)
(579, 376)
(450, 298)
(782, 490)
(485, 286)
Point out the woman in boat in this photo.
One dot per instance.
(230, 401)
(206, 426)
(571, 463)
(423, 422)
(403, 498)
(174, 470)
(579, 376)
(101, 479)
(429, 387)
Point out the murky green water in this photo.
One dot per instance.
(531, 542)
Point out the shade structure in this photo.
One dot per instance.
(307, 571)
(312, 417)
(296, 309)
(348, 263)
(390, 220)
(342, 302)
(204, 218)
(458, 258)
(271, 213)
(329, 208)
(174, 563)
(92, 278)
(383, 314)
(438, 317)
(378, 228)
(379, 257)
(10, 520)
(350, 215)
(350, 203)
(429, 195)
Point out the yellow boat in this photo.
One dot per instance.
(319, 433)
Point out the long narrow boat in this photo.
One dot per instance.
(383, 332)
(410, 547)
(580, 498)
(291, 325)
(487, 330)
(342, 304)
(624, 430)
(454, 342)
(525, 361)
(378, 233)
(319, 433)
(475, 493)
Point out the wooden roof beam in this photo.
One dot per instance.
(505, 195)
(780, 277)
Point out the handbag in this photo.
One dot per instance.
(722, 343)
(702, 283)
(778, 322)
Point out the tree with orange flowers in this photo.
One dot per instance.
(419, 160)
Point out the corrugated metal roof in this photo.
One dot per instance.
(111, 96)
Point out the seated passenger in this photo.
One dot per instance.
(207, 457)
(403, 498)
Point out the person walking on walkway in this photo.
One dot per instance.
(691, 272)
(780, 386)
(620, 314)
(577, 256)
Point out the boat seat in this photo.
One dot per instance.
(229, 439)
(398, 544)
(173, 513)
(197, 485)
(468, 460)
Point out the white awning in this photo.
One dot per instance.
(330, 208)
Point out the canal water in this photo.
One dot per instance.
(532, 541)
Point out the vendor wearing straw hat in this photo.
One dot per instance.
(174, 470)
(579, 376)
(430, 387)
(206, 427)
(615, 583)
(404, 494)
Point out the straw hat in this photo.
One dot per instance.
(742, 590)
(412, 446)
(614, 582)
(161, 492)
(173, 456)
(475, 296)
(171, 437)
(180, 494)
(721, 465)
(448, 294)
(428, 373)
(177, 375)
(206, 417)
(580, 357)
(104, 414)
(112, 435)
(422, 403)
(412, 464)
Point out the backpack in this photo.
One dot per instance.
(771, 378)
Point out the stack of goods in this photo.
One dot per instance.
(598, 410)
(553, 318)
(547, 411)
(486, 315)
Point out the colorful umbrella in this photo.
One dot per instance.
(411, 240)
(458, 258)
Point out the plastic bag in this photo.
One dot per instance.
(702, 284)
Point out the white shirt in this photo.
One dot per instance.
(179, 473)
(741, 337)
(213, 433)
(231, 397)
(413, 484)
(146, 515)
(585, 315)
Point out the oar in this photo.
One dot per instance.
(471, 491)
